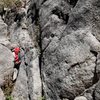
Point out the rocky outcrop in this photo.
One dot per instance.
(60, 49)
(1, 95)
(97, 91)
(5, 54)
(21, 87)
(29, 73)
(69, 46)
(80, 98)
(28, 83)
(6, 58)
(3, 33)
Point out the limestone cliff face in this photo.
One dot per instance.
(16, 30)
(69, 48)
(59, 41)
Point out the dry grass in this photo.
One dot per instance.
(8, 86)
(10, 3)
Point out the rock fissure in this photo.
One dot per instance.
(72, 2)
(95, 79)
(61, 15)
(43, 2)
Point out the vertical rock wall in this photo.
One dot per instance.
(69, 47)
(19, 30)
(59, 41)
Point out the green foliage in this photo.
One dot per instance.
(42, 98)
(9, 98)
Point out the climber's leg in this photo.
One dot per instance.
(15, 74)
(17, 66)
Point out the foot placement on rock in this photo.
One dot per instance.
(15, 74)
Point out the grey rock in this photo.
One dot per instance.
(6, 62)
(2, 97)
(29, 55)
(97, 91)
(89, 93)
(3, 28)
(98, 65)
(4, 39)
(37, 81)
(69, 40)
(10, 16)
(80, 98)
(20, 91)
(69, 37)
(65, 99)
(3, 32)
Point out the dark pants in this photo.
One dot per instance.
(17, 66)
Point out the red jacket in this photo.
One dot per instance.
(16, 55)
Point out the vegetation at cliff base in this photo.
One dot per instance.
(10, 3)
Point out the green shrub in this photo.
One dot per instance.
(9, 98)
(41, 98)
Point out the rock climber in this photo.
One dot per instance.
(16, 52)
(17, 61)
